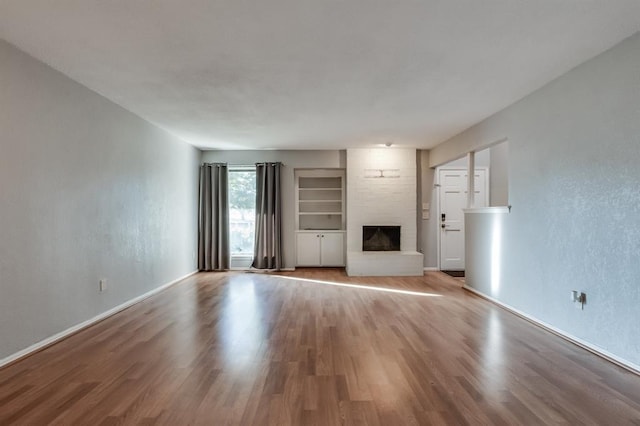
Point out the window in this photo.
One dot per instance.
(242, 211)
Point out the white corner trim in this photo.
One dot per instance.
(431, 268)
(74, 329)
(596, 350)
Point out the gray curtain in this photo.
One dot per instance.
(213, 224)
(267, 252)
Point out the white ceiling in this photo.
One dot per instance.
(315, 74)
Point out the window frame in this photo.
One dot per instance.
(239, 260)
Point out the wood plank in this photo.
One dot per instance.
(289, 349)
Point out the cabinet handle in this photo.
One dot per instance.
(321, 236)
(318, 235)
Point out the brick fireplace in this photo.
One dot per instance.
(381, 192)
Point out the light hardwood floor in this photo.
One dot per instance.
(293, 348)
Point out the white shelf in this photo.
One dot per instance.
(320, 199)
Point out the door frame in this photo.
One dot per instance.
(438, 204)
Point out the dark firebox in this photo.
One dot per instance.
(380, 238)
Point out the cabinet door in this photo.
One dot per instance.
(332, 249)
(308, 249)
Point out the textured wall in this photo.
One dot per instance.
(87, 191)
(291, 161)
(574, 151)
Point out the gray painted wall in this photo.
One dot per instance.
(428, 227)
(574, 178)
(87, 191)
(291, 160)
(499, 176)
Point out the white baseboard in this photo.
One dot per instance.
(268, 271)
(621, 362)
(69, 331)
(431, 268)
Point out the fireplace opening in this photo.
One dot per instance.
(380, 238)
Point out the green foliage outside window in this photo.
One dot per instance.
(242, 201)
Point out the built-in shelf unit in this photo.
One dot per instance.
(320, 217)
(320, 200)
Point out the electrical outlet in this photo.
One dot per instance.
(103, 285)
(579, 299)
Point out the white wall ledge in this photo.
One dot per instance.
(496, 209)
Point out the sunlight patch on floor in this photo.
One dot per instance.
(361, 286)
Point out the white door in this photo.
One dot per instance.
(332, 249)
(453, 198)
(308, 249)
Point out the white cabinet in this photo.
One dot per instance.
(332, 249)
(320, 248)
